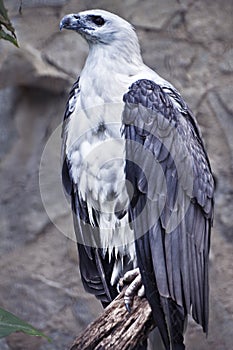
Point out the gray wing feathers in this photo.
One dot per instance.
(176, 179)
(67, 183)
(70, 105)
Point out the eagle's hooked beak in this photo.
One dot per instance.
(72, 21)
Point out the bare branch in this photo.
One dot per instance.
(116, 328)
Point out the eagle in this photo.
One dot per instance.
(139, 180)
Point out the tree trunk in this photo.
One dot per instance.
(116, 328)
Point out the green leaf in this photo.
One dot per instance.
(5, 21)
(10, 323)
(6, 36)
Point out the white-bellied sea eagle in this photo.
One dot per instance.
(139, 178)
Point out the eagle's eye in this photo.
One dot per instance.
(98, 20)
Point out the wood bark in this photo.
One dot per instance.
(116, 328)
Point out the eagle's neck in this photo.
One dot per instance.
(119, 57)
(107, 74)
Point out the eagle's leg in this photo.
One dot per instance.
(135, 287)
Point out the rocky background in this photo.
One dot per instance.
(187, 42)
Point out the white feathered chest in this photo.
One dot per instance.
(95, 150)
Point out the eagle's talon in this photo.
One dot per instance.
(120, 285)
(128, 307)
(135, 287)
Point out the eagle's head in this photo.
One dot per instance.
(99, 26)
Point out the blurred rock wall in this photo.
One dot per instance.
(187, 42)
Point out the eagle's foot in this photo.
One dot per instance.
(135, 287)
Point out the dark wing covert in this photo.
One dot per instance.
(172, 205)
